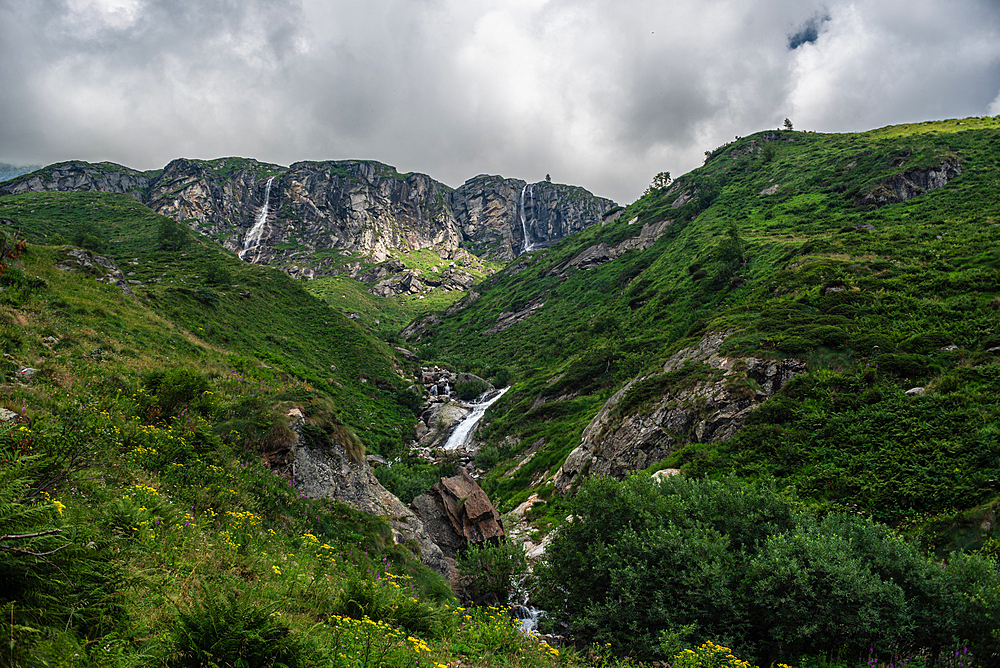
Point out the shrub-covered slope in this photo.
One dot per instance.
(139, 522)
(870, 256)
(193, 299)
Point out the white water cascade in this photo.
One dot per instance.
(460, 436)
(252, 239)
(528, 246)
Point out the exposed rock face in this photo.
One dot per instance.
(494, 213)
(598, 254)
(76, 175)
(911, 183)
(329, 473)
(210, 198)
(711, 409)
(508, 319)
(357, 207)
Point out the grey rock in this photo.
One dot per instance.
(25, 374)
(915, 391)
(710, 410)
(330, 473)
(911, 183)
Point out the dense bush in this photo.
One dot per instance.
(750, 568)
(470, 389)
(489, 572)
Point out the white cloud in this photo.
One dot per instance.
(604, 95)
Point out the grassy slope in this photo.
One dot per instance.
(924, 279)
(211, 298)
(388, 315)
(156, 519)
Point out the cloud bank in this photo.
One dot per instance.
(598, 94)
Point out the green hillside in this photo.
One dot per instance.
(871, 297)
(141, 522)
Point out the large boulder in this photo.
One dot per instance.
(457, 512)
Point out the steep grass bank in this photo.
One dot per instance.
(796, 241)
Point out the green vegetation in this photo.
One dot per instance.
(848, 522)
(753, 569)
(140, 522)
(776, 246)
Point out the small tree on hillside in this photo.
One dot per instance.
(171, 235)
(788, 124)
(660, 181)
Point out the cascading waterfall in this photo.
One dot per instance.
(463, 431)
(528, 246)
(252, 239)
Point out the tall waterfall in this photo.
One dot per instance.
(528, 246)
(252, 239)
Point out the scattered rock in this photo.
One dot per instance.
(666, 473)
(915, 391)
(26, 374)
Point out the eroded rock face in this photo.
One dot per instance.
(358, 207)
(76, 175)
(330, 474)
(711, 409)
(911, 183)
(495, 213)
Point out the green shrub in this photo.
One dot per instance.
(751, 569)
(488, 572)
(179, 388)
(389, 597)
(470, 389)
(231, 632)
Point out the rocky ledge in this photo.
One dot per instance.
(702, 396)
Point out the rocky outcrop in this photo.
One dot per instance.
(76, 175)
(358, 208)
(331, 473)
(103, 269)
(703, 396)
(495, 214)
(508, 319)
(911, 183)
(598, 254)
(457, 512)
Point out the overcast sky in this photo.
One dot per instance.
(602, 94)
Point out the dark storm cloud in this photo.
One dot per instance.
(604, 95)
(808, 32)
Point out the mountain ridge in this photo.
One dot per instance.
(355, 207)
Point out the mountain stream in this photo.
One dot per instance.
(463, 431)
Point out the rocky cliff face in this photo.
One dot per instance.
(504, 217)
(703, 396)
(354, 207)
(76, 175)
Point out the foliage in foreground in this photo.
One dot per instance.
(751, 568)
